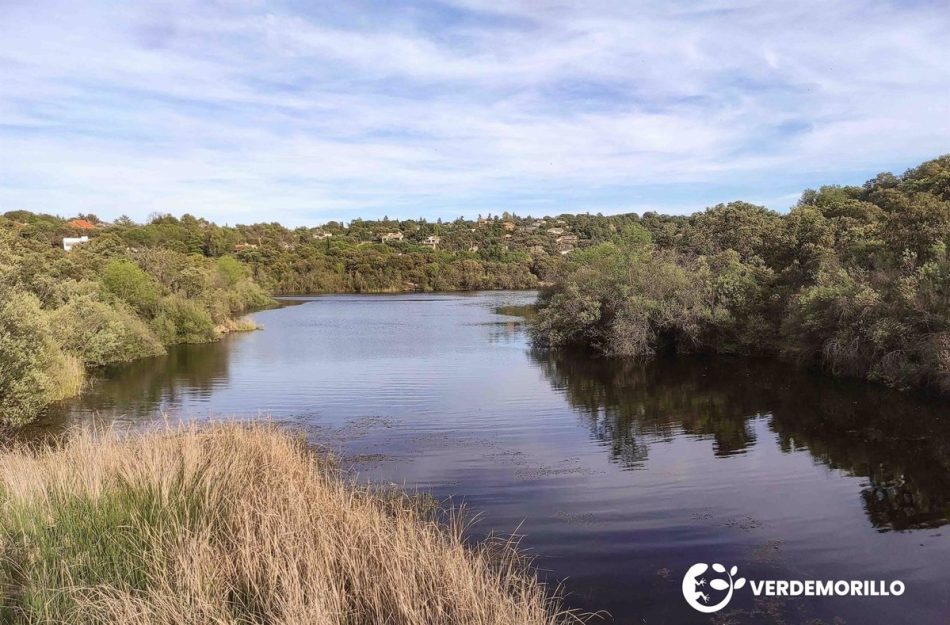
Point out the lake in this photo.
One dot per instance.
(618, 475)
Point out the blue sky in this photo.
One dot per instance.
(301, 112)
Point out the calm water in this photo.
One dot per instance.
(619, 476)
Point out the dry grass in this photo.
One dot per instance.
(68, 378)
(236, 524)
(243, 324)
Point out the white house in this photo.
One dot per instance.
(70, 242)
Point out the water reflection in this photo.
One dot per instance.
(900, 444)
(140, 389)
(782, 473)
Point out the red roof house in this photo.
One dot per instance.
(81, 224)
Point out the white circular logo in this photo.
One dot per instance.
(697, 589)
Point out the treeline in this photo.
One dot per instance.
(495, 252)
(125, 290)
(101, 303)
(855, 279)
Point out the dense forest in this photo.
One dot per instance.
(855, 279)
(493, 252)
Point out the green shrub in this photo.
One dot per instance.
(230, 271)
(855, 280)
(182, 321)
(128, 282)
(627, 303)
(101, 334)
(29, 359)
(193, 282)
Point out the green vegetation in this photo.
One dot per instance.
(500, 252)
(33, 369)
(131, 290)
(242, 525)
(101, 303)
(853, 279)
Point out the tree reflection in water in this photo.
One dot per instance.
(899, 443)
(139, 390)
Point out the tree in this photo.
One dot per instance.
(128, 282)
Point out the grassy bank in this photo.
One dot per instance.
(235, 524)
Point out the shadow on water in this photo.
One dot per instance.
(137, 391)
(899, 443)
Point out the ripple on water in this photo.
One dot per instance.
(620, 475)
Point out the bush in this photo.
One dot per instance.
(247, 295)
(132, 285)
(95, 306)
(230, 271)
(33, 370)
(855, 280)
(628, 304)
(100, 334)
(182, 321)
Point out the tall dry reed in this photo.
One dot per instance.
(68, 377)
(236, 524)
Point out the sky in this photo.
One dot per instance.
(301, 111)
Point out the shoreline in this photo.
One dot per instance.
(225, 523)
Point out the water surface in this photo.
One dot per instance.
(618, 475)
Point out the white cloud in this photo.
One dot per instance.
(250, 111)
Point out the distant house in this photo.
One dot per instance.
(431, 242)
(240, 247)
(81, 224)
(70, 242)
(566, 243)
(556, 231)
(509, 226)
(321, 234)
(386, 237)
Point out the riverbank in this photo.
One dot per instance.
(616, 472)
(236, 524)
(852, 280)
(66, 313)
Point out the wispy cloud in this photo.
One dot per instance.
(302, 112)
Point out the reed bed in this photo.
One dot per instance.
(237, 524)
